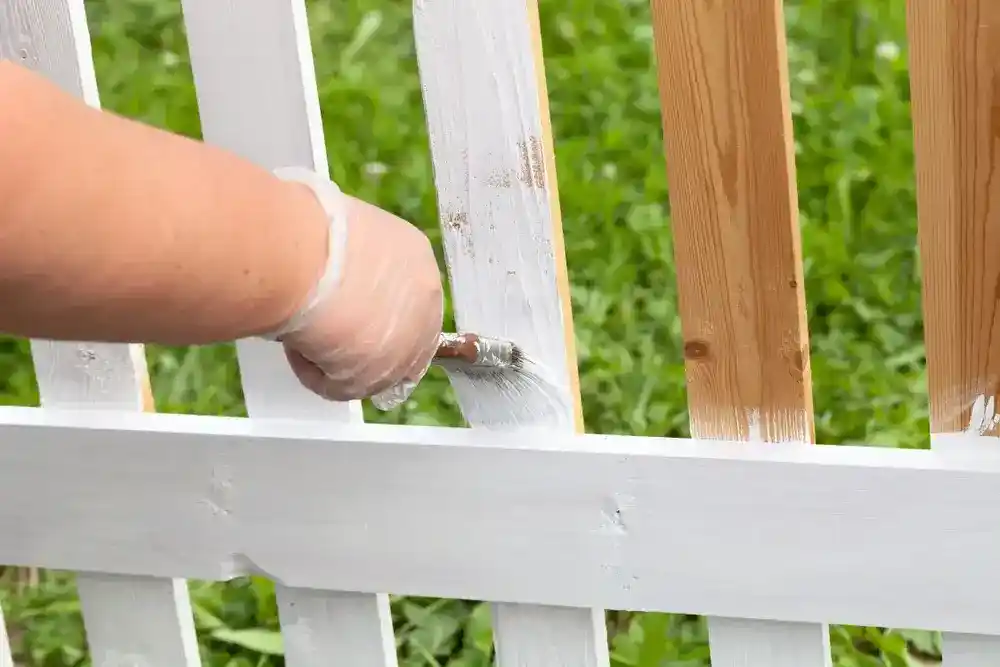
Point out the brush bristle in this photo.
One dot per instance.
(516, 358)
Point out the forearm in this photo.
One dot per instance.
(112, 230)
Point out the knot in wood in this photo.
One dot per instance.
(695, 349)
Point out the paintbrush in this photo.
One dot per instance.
(498, 385)
(479, 352)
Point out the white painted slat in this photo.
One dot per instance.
(51, 37)
(138, 494)
(483, 86)
(319, 624)
(754, 643)
(958, 649)
(253, 70)
(551, 636)
(964, 650)
(163, 603)
(6, 660)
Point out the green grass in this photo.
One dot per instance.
(855, 174)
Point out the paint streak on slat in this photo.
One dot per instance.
(728, 139)
(955, 84)
(484, 92)
(140, 620)
(256, 88)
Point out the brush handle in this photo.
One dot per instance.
(462, 347)
(469, 350)
(480, 351)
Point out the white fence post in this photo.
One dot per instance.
(483, 80)
(255, 81)
(140, 619)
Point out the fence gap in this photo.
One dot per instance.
(379, 148)
(854, 149)
(606, 125)
(955, 84)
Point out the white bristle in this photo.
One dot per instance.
(508, 398)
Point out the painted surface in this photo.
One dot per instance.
(139, 620)
(740, 642)
(954, 75)
(257, 97)
(587, 518)
(5, 657)
(484, 94)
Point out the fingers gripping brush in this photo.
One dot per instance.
(498, 384)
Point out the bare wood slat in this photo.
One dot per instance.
(728, 139)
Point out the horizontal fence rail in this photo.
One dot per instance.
(541, 518)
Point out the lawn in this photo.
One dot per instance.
(856, 191)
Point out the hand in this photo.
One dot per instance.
(373, 322)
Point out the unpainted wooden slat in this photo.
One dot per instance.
(955, 91)
(253, 69)
(730, 160)
(486, 103)
(139, 619)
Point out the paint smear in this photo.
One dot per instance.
(983, 417)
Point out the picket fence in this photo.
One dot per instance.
(771, 539)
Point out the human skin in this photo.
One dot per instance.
(112, 230)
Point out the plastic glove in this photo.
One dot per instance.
(372, 322)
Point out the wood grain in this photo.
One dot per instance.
(140, 620)
(728, 139)
(255, 81)
(589, 520)
(955, 92)
(955, 84)
(483, 82)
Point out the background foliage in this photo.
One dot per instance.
(855, 174)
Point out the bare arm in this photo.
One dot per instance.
(113, 230)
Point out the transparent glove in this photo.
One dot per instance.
(371, 324)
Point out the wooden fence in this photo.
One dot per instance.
(551, 524)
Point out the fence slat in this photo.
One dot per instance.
(320, 623)
(52, 38)
(6, 660)
(728, 140)
(255, 80)
(740, 642)
(483, 83)
(156, 618)
(954, 75)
